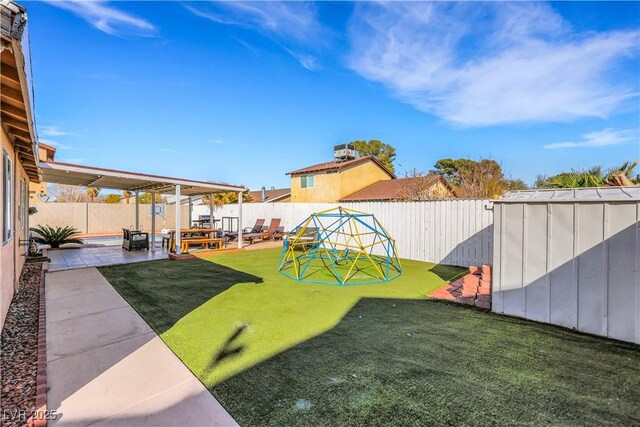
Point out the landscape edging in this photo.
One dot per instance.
(39, 417)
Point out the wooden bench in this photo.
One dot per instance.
(187, 241)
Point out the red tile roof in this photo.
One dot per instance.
(338, 166)
(389, 189)
(277, 193)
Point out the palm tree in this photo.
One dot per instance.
(93, 192)
(627, 169)
(593, 177)
(127, 195)
(230, 197)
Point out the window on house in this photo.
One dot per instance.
(307, 181)
(7, 197)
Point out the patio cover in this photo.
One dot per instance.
(89, 176)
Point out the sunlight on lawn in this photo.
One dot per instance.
(250, 322)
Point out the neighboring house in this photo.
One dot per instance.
(404, 189)
(19, 151)
(37, 191)
(332, 181)
(275, 195)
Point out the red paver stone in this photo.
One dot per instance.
(470, 279)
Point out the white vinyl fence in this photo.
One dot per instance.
(453, 232)
(573, 263)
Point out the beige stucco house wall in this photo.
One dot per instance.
(333, 185)
(440, 191)
(17, 140)
(11, 253)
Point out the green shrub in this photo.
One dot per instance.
(55, 236)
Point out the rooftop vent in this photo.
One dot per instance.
(344, 152)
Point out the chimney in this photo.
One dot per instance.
(264, 193)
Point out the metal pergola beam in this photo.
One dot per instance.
(153, 221)
(178, 208)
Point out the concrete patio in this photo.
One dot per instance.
(99, 256)
(67, 259)
(106, 366)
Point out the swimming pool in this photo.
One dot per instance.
(113, 240)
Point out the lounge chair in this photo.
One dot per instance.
(233, 235)
(274, 231)
(250, 237)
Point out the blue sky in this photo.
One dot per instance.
(245, 92)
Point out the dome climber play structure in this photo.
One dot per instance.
(340, 247)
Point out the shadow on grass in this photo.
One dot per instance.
(386, 360)
(406, 362)
(448, 273)
(230, 348)
(163, 294)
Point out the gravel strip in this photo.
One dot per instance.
(19, 350)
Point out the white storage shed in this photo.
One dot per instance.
(571, 258)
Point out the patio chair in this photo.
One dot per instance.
(233, 235)
(134, 240)
(274, 231)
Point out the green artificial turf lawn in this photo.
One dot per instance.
(277, 352)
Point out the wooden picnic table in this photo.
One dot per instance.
(187, 231)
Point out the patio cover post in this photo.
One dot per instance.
(177, 219)
(190, 209)
(153, 221)
(210, 210)
(239, 219)
(137, 210)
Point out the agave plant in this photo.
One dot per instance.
(55, 236)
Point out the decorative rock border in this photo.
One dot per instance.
(40, 416)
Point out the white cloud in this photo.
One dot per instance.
(55, 144)
(295, 25)
(290, 20)
(53, 130)
(478, 64)
(166, 150)
(105, 17)
(216, 141)
(603, 138)
(309, 62)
